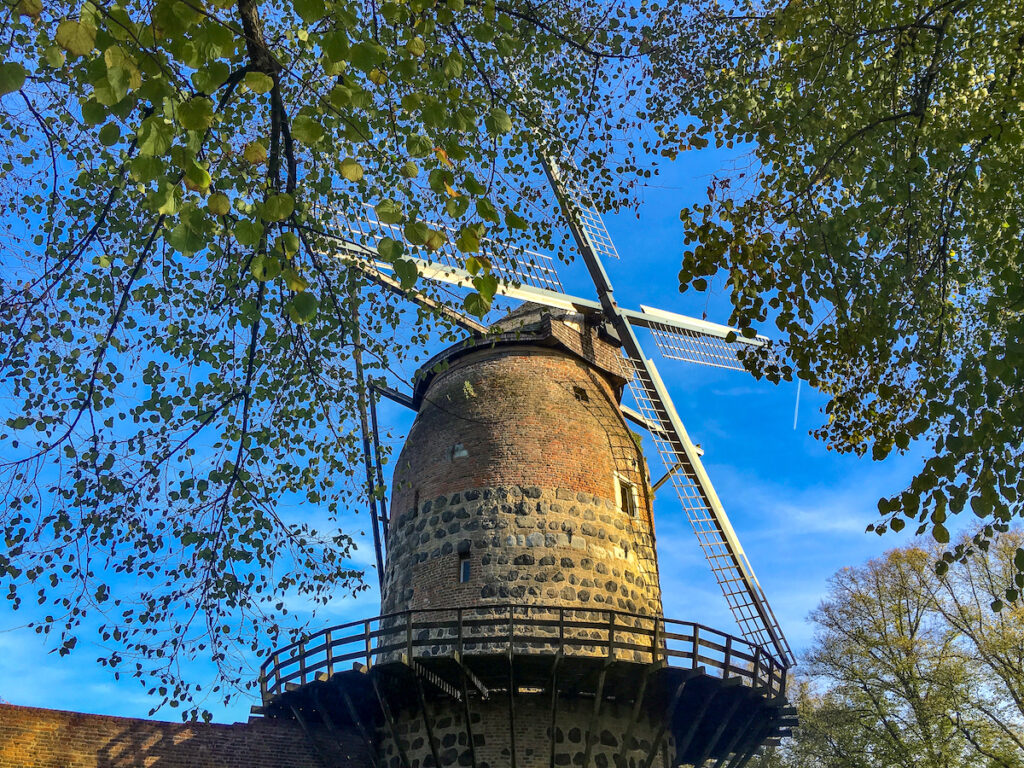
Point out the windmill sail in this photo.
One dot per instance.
(700, 503)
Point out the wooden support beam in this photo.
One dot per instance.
(332, 727)
(473, 680)
(716, 735)
(385, 709)
(684, 744)
(750, 746)
(511, 701)
(666, 722)
(360, 726)
(320, 756)
(596, 712)
(466, 710)
(426, 721)
(738, 734)
(634, 720)
(552, 727)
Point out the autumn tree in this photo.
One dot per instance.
(877, 221)
(182, 353)
(911, 669)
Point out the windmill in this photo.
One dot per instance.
(530, 276)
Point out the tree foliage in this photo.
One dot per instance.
(179, 345)
(914, 670)
(879, 225)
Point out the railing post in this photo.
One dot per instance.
(728, 657)
(696, 645)
(611, 634)
(302, 660)
(277, 671)
(408, 636)
(757, 667)
(561, 629)
(263, 688)
(511, 628)
(368, 631)
(459, 638)
(655, 640)
(330, 653)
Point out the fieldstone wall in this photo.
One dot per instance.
(525, 545)
(491, 729)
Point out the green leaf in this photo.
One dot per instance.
(367, 55)
(197, 178)
(1018, 560)
(389, 249)
(145, 169)
(54, 57)
(218, 204)
(406, 272)
(289, 243)
(110, 134)
(248, 233)
(940, 534)
(486, 210)
(165, 198)
(468, 241)
(351, 170)
(410, 170)
(278, 207)
(310, 11)
(498, 121)
(196, 114)
(307, 130)
(476, 305)
(12, 77)
(259, 82)
(76, 38)
(389, 212)
(265, 267)
(302, 308)
(155, 136)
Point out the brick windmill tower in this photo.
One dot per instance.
(521, 621)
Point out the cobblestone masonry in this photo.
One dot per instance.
(491, 736)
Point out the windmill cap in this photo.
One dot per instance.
(536, 325)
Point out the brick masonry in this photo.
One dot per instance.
(46, 738)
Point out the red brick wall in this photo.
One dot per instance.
(514, 411)
(47, 738)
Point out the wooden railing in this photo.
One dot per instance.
(520, 629)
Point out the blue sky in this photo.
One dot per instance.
(799, 510)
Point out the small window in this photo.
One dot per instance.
(581, 394)
(463, 569)
(627, 497)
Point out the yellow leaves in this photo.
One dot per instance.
(442, 156)
(31, 8)
(377, 77)
(75, 37)
(416, 47)
(295, 281)
(351, 170)
(255, 152)
(451, 192)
